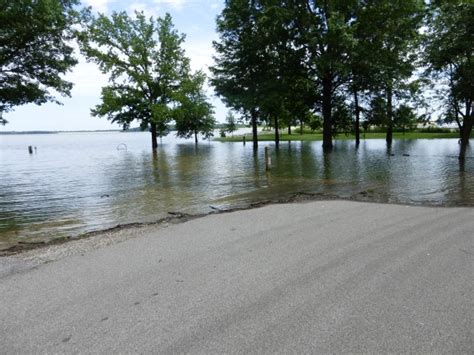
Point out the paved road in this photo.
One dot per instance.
(315, 277)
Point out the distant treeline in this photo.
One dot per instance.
(55, 132)
(27, 132)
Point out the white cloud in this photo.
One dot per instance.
(216, 5)
(200, 53)
(175, 4)
(86, 76)
(98, 5)
(87, 79)
(138, 6)
(145, 8)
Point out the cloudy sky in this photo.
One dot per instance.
(195, 18)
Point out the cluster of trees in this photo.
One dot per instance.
(150, 79)
(150, 76)
(279, 62)
(230, 125)
(283, 61)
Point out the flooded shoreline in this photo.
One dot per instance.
(177, 218)
(80, 183)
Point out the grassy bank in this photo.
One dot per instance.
(316, 136)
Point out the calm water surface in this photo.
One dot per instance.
(79, 182)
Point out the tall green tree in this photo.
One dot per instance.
(194, 114)
(230, 125)
(238, 69)
(361, 53)
(405, 118)
(260, 67)
(395, 40)
(377, 111)
(325, 28)
(147, 67)
(449, 54)
(385, 38)
(287, 90)
(342, 116)
(35, 51)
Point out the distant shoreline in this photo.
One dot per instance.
(318, 136)
(56, 132)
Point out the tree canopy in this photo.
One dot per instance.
(238, 71)
(194, 114)
(147, 67)
(260, 69)
(286, 59)
(449, 56)
(35, 51)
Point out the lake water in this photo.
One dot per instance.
(80, 182)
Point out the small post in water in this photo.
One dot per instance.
(30, 149)
(268, 159)
(243, 139)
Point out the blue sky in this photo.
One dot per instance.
(195, 18)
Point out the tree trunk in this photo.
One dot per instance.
(465, 134)
(289, 130)
(389, 137)
(195, 137)
(253, 119)
(301, 127)
(327, 113)
(154, 141)
(277, 133)
(357, 118)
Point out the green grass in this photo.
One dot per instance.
(317, 136)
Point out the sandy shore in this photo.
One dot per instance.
(323, 276)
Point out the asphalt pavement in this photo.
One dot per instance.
(316, 277)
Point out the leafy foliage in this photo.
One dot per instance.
(449, 54)
(392, 34)
(146, 64)
(285, 58)
(230, 125)
(449, 58)
(260, 69)
(342, 117)
(194, 114)
(315, 122)
(238, 70)
(35, 51)
(406, 118)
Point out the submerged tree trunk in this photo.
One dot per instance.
(277, 133)
(195, 137)
(357, 118)
(465, 141)
(465, 134)
(327, 113)
(154, 141)
(389, 137)
(253, 118)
